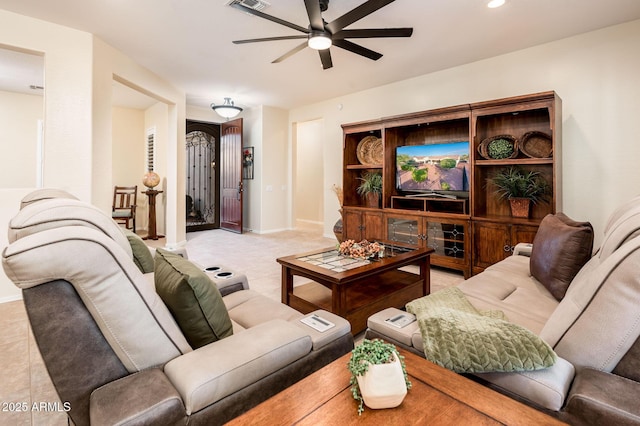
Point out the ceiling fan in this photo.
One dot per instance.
(321, 35)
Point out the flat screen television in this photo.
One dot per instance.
(438, 169)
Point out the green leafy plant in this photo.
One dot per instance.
(514, 182)
(500, 148)
(419, 175)
(405, 162)
(371, 184)
(447, 163)
(370, 352)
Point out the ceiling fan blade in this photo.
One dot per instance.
(355, 48)
(269, 17)
(325, 57)
(374, 33)
(290, 53)
(315, 14)
(256, 40)
(356, 14)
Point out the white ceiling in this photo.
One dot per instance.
(189, 42)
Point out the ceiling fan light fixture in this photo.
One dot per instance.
(495, 3)
(227, 110)
(319, 40)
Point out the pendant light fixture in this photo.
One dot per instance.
(227, 110)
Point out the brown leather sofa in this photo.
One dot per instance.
(594, 327)
(113, 349)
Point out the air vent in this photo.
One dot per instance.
(251, 4)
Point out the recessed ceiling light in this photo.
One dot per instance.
(495, 3)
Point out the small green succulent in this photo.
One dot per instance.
(500, 148)
(369, 352)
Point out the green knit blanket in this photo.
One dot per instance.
(459, 337)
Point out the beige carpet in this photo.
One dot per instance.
(255, 255)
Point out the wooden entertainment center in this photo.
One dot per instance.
(470, 232)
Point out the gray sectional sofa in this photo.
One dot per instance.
(593, 324)
(118, 353)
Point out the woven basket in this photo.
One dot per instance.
(370, 151)
(536, 145)
(483, 148)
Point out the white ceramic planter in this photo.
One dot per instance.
(383, 385)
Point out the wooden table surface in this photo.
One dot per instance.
(355, 294)
(437, 397)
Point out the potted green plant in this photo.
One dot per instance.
(378, 375)
(371, 188)
(521, 188)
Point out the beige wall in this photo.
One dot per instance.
(266, 201)
(67, 113)
(595, 74)
(79, 73)
(308, 180)
(253, 189)
(274, 158)
(19, 116)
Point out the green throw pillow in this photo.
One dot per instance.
(141, 254)
(192, 298)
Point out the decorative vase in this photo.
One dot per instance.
(383, 385)
(151, 180)
(373, 199)
(337, 230)
(520, 207)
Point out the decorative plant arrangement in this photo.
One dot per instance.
(500, 148)
(371, 187)
(362, 250)
(516, 184)
(378, 375)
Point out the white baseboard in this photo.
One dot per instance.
(11, 298)
(271, 231)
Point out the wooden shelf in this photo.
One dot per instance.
(363, 166)
(430, 204)
(516, 161)
(486, 220)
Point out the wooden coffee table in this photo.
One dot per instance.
(437, 397)
(357, 293)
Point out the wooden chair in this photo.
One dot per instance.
(124, 205)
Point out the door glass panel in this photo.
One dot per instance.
(446, 239)
(402, 230)
(200, 182)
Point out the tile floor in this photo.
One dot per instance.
(27, 396)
